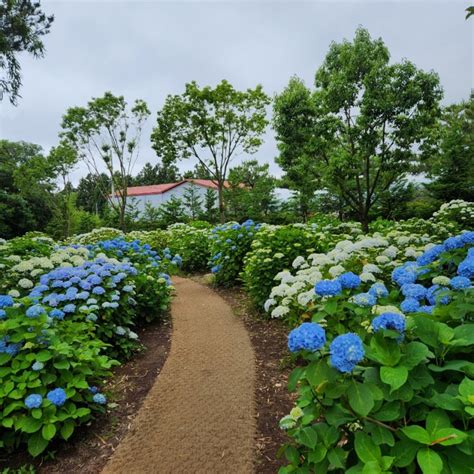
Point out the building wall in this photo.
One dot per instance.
(178, 192)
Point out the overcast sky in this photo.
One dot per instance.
(150, 49)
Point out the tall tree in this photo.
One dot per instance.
(199, 172)
(192, 201)
(369, 121)
(106, 134)
(451, 164)
(22, 25)
(157, 174)
(26, 188)
(251, 191)
(211, 125)
(297, 134)
(90, 196)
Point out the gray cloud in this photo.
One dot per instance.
(150, 49)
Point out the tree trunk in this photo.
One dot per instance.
(123, 206)
(364, 220)
(220, 192)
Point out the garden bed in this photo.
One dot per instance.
(92, 445)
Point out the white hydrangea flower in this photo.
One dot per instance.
(14, 293)
(366, 277)
(336, 270)
(441, 280)
(268, 304)
(25, 283)
(305, 298)
(382, 259)
(371, 268)
(379, 309)
(280, 311)
(298, 261)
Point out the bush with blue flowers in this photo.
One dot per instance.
(229, 244)
(71, 311)
(396, 394)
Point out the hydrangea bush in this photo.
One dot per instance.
(229, 244)
(69, 311)
(397, 393)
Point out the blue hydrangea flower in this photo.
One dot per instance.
(216, 268)
(99, 398)
(98, 290)
(365, 300)
(460, 283)
(92, 317)
(379, 290)
(453, 243)
(346, 351)
(69, 308)
(37, 366)
(414, 290)
(437, 295)
(35, 311)
(404, 274)
(57, 397)
(349, 280)
(307, 336)
(328, 288)
(57, 314)
(430, 255)
(3, 314)
(410, 305)
(128, 288)
(426, 309)
(467, 237)
(5, 301)
(466, 267)
(389, 321)
(33, 401)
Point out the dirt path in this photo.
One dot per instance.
(199, 416)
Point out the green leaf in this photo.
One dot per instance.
(36, 444)
(294, 378)
(404, 452)
(308, 437)
(30, 425)
(48, 431)
(415, 352)
(436, 420)
(429, 461)
(448, 437)
(317, 454)
(372, 467)
(360, 398)
(394, 376)
(337, 457)
(463, 335)
(67, 429)
(466, 387)
(366, 449)
(383, 350)
(417, 433)
(389, 412)
(380, 435)
(319, 374)
(44, 355)
(330, 307)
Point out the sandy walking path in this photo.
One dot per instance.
(199, 415)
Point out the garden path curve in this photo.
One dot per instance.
(199, 415)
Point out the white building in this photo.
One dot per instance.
(157, 194)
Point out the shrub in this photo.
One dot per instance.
(229, 244)
(394, 395)
(273, 251)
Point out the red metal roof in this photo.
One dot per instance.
(162, 188)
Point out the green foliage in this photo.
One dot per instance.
(229, 244)
(23, 25)
(450, 164)
(107, 133)
(356, 131)
(273, 251)
(407, 406)
(157, 174)
(250, 192)
(192, 201)
(210, 125)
